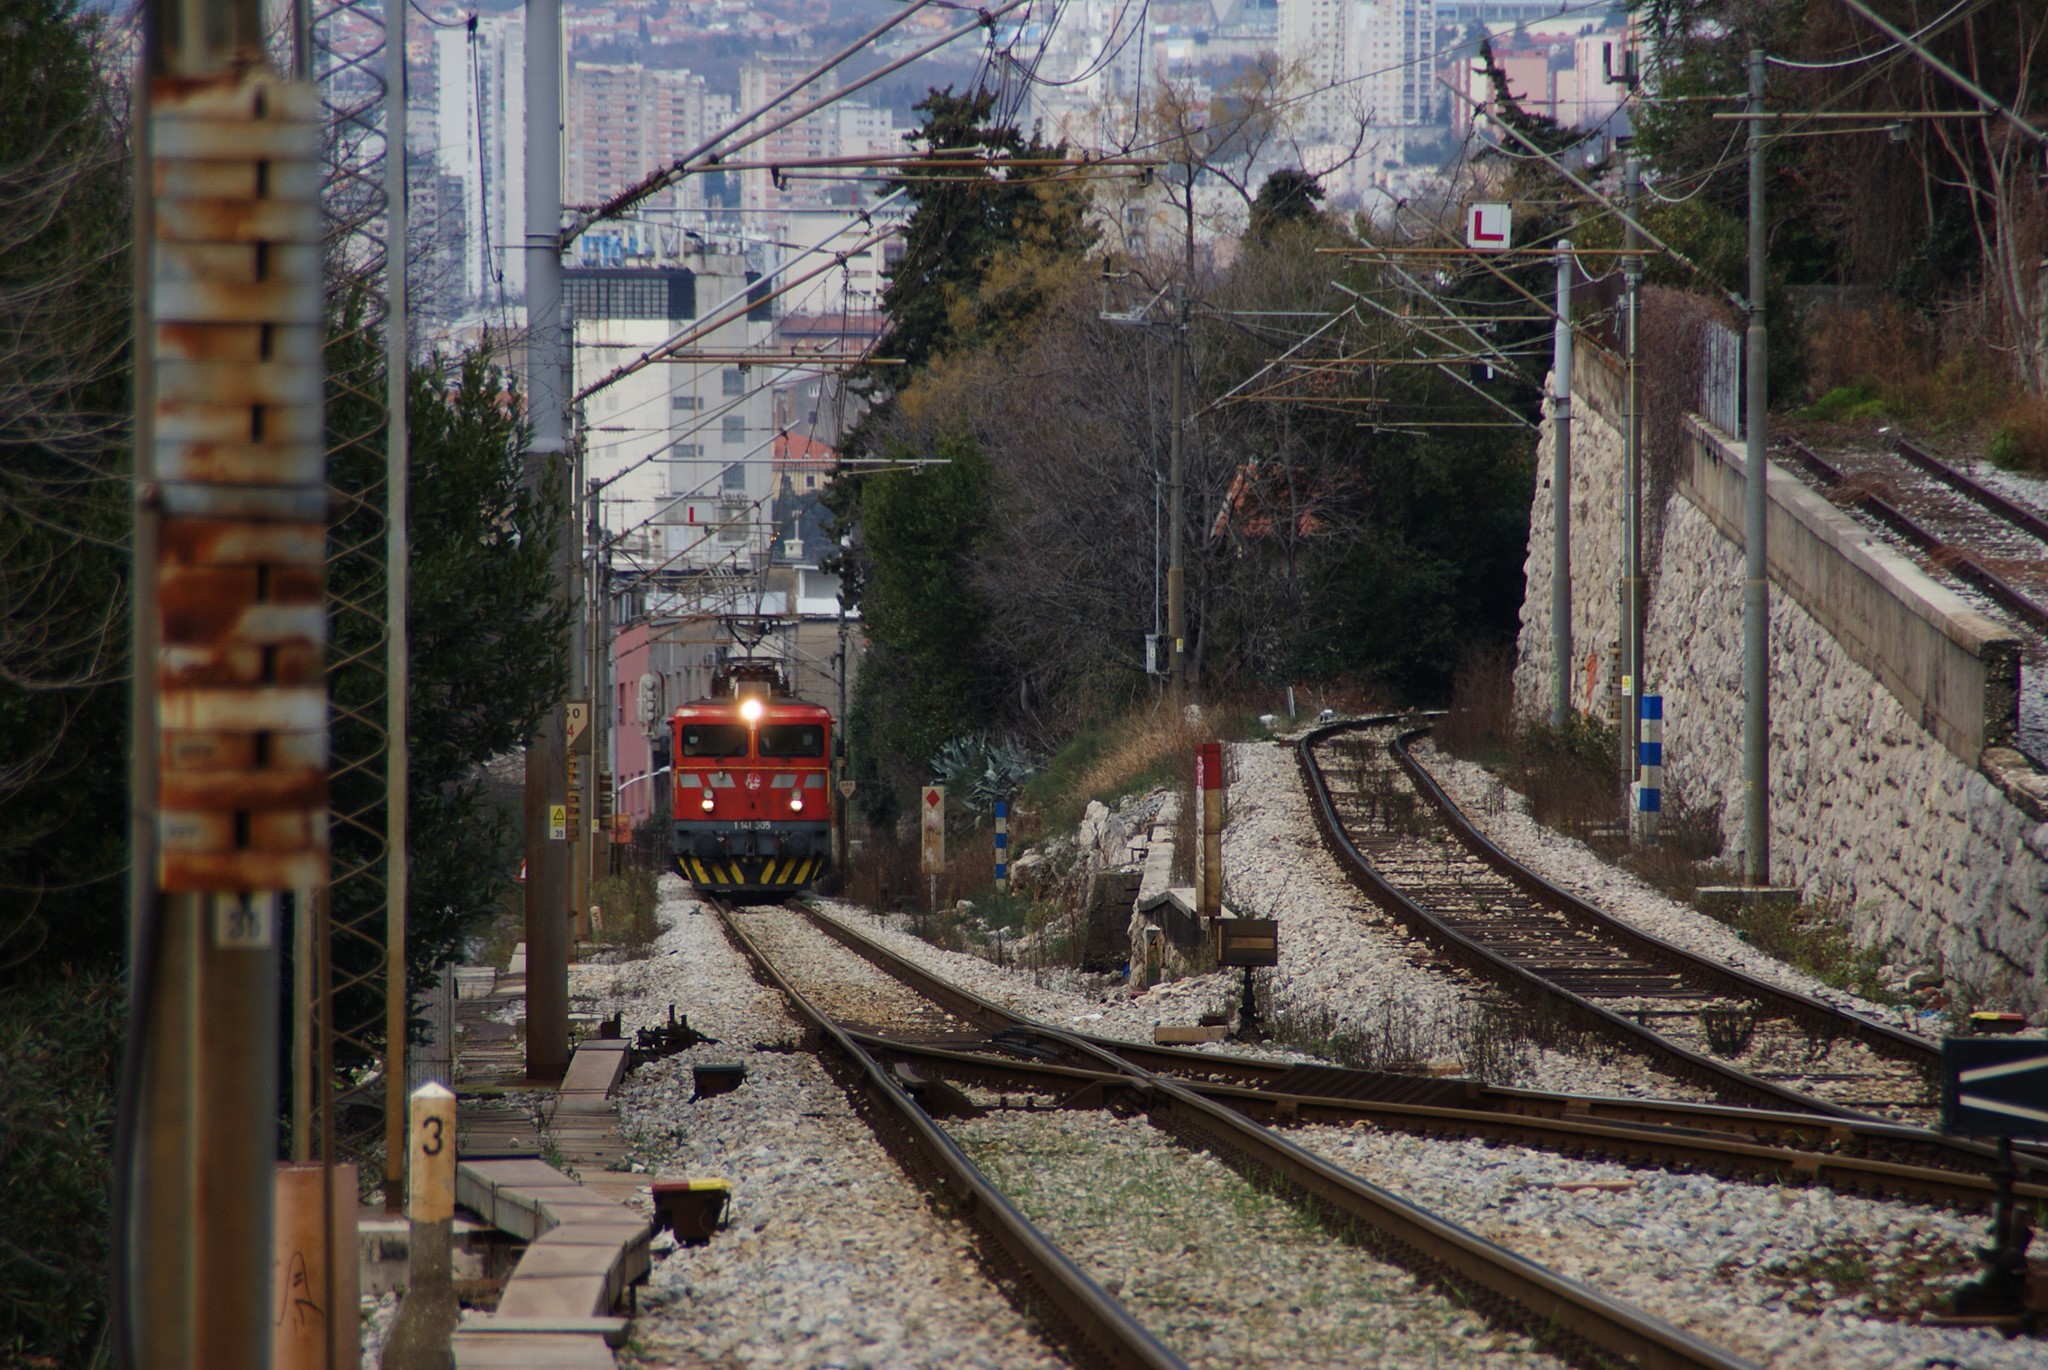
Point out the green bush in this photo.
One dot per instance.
(1845, 404)
(61, 1040)
(1813, 937)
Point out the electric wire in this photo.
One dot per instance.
(1957, 11)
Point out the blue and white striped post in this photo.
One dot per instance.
(1002, 846)
(1650, 757)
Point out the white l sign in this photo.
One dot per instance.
(1489, 226)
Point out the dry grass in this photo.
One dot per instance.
(626, 904)
(1145, 749)
(1163, 741)
(1480, 724)
(1888, 361)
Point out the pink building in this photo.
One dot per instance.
(632, 765)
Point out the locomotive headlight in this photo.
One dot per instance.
(750, 710)
(796, 802)
(707, 801)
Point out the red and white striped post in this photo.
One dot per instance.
(1209, 829)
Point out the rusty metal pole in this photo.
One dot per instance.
(1561, 495)
(548, 855)
(397, 646)
(1176, 584)
(1756, 580)
(231, 707)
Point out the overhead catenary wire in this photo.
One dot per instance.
(713, 321)
(706, 156)
(1959, 10)
(1956, 78)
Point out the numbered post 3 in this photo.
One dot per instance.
(428, 1314)
(430, 1169)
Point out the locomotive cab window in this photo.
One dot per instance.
(792, 739)
(714, 739)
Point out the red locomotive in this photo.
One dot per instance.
(753, 792)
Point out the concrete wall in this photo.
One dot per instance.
(1596, 551)
(1954, 669)
(1893, 797)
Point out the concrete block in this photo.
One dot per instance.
(1181, 1036)
(533, 1351)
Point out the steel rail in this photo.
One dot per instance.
(1962, 561)
(1692, 1065)
(1557, 1311)
(1045, 1286)
(2009, 510)
(1659, 1144)
(1799, 1127)
(1686, 1064)
(1810, 1012)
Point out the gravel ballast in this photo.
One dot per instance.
(830, 1257)
(1344, 964)
(1342, 956)
(1502, 815)
(1792, 1278)
(1223, 1274)
(833, 1259)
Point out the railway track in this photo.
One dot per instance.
(1747, 1041)
(1965, 531)
(1508, 1289)
(992, 1046)
(1071, 1308)
(1494, 916)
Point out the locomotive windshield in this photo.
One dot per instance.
(714, 739)
(792, 739)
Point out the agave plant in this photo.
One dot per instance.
(978, 770)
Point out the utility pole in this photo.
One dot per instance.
(229, 805)
(1632, 481)
(1176, 595)
(840, 799)
(1561, 494)
(547, 458)
(581, 677)
(601, 692)
(1756, 583)
(397, 647)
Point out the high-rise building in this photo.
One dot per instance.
(622, 121)
(1316, 38)
(1092, 69)
(1360, 64)
(767, 196)
(682, 446)
(1393, 55)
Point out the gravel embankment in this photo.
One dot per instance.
(1341, 955)
(1342, 962)
(1223, 1274)
(830, 1256)
(1502, 814)
(839, 983)
(1082, 1003)
(1794, 1278)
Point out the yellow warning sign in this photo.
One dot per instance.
(558, 822)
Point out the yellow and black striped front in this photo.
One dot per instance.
(751, 872)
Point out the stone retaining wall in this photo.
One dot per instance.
(1950, 666)
(1892, 798)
